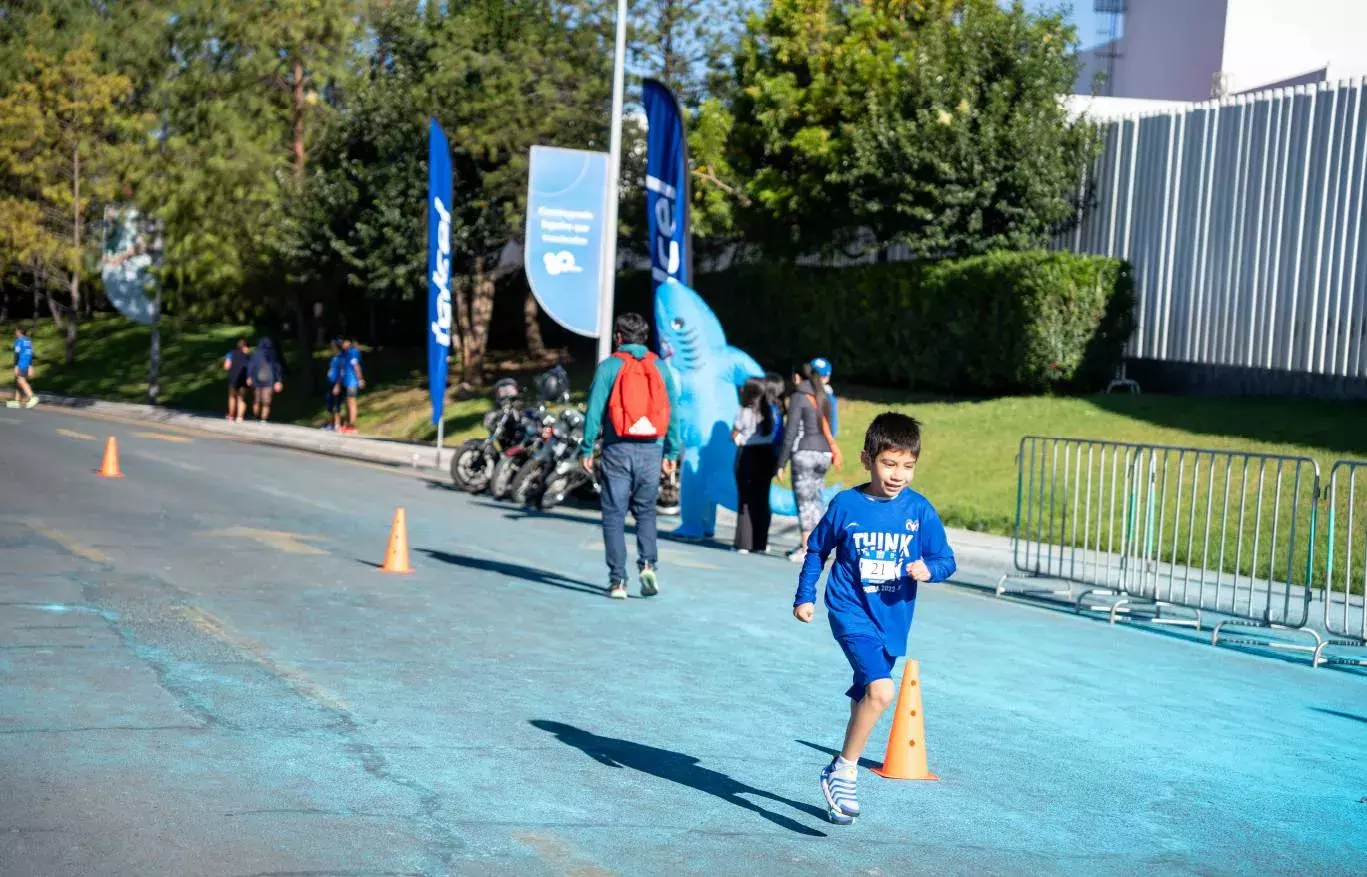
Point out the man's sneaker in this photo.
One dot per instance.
(32, 400)
(650, 582)
(837, 785)
(797, 555)
(12, 403)
(617, 590)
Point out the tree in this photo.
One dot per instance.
(930, 123)
(687, 44)
(61, 127)
(506, 76)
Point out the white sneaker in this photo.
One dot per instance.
(797, 555)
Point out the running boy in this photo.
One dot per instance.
(23, 365)
(887, 538)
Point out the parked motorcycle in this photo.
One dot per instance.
(557, 470)
(473, 463)
(532, 432)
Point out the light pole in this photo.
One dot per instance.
(609, 275)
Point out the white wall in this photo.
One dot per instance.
(1171, 49)
(1270, 40)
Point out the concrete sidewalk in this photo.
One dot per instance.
(982, 557)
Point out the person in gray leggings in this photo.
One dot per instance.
(809, 448)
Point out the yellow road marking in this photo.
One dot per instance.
(211, 626)
(164, 437)
(68, 543)
(71, 433)
(280, 540)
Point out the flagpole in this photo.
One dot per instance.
(609, 273)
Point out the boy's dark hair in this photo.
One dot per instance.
(891, 431)
(632, 328)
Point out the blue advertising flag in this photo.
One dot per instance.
(438, 264)
(566, 200)
(667, 186)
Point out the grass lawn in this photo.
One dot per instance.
(968, 468)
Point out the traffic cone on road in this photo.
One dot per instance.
(906, 755)
(110, 467)
(396, 557)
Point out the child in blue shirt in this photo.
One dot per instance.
(334, 383)
(887, 538)
(23, 367)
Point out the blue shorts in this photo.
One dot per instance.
(21, 371)
(869, 660)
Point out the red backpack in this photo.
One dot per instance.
(639, 405)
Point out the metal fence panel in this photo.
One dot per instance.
(1243, 220)
(1346, 551)
(1212, 530)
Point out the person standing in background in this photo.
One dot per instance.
(810, 448)
(235, 364)
(353, 380)
(821, 367)
(263, 376)
(334, 387)
(23, 367)
(756, 463)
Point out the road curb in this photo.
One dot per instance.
(284, 435)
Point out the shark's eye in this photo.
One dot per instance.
(677, 323)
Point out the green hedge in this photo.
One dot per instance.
(1006, 322)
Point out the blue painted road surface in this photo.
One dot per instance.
(202, 672)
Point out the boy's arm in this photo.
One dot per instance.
(935, 551)
(599, 391)
(820, 544)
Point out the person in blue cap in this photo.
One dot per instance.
(822, 367)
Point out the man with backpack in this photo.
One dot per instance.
(631, 403)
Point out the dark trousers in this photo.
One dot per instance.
(631, 480)
(755, 469)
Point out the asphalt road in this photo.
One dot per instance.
(202, 672)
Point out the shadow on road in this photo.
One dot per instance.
(1341, 715)
(679, 768)
(516, 571)
(863, 762)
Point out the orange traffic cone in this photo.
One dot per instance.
(396, 558)
(906, 756)
(110, 467)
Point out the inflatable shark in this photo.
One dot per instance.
(708, 371)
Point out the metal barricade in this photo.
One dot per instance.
(1345, 559)
(1167, 533)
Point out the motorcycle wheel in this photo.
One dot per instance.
(470, 469)
(555, 490)
(505, 470)
(528, 484)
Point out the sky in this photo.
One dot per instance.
(1087, 22)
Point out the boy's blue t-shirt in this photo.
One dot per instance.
(868, 591)
(23, 352)
(351, 359)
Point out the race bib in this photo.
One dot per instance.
(873, 572)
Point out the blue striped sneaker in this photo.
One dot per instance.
(838, 788)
